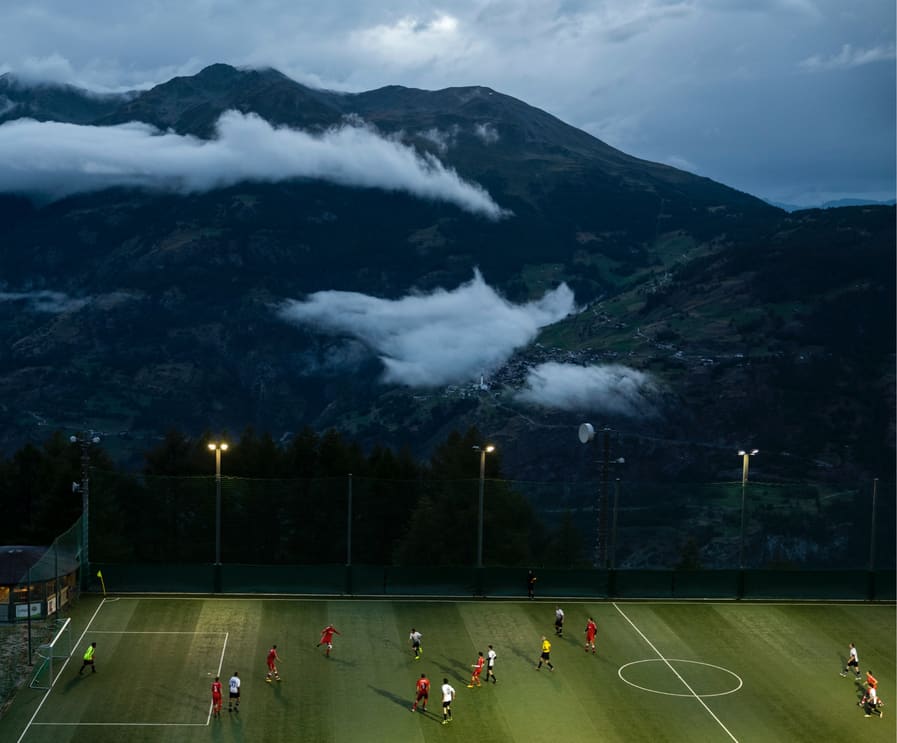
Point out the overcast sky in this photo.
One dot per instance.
(792, 100)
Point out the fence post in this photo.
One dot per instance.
(349, 538)
(871, 578)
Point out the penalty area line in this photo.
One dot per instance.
(676, 673)
(53, 680)
(124, 724)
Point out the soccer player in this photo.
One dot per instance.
(870, 702)
(216, 697)
(327, 638)
(559, 621)
(871, 680)
(591, 631)
(490, 664)
(88, 658)
(448, 696)
(233, 700)
(477, 670)
(853, 661)
(545, 657)
(531, 584)
(272, 659)
(423, 693)
(414, 638)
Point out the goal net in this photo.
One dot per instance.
(51, 654)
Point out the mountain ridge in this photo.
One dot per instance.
(163, 302)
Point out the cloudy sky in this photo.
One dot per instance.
(792, 100)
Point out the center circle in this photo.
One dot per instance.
(669, 662)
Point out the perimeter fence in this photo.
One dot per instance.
(383, 529)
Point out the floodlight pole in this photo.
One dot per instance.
(84, 440)
(746, 458)
(872, 527)
(483, 450)
(217, 447)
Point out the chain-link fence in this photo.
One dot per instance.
(621, 525)
(35, 602)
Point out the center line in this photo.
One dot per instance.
(678, 675)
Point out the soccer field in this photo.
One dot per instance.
(664, 671)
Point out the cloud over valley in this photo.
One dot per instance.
(428, 340)
(52, 160)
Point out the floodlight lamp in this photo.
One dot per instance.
(489, 448)
(73, 439)
(223, 447)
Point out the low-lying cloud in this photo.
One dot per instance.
(51, 302)
(429, 340)
(56, 159)
(613, 389)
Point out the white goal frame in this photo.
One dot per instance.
(59, 648)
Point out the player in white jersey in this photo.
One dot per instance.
(448, 696)
(233, 686)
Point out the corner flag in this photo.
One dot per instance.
(102, 582)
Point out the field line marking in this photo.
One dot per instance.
(53, 680)
(677, 674)
(427, 599)
(154, 632)
(220, 664)
(125, 724)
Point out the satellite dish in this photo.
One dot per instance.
(586, 433)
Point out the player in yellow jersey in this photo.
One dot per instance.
(545, 657)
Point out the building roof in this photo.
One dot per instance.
(15, 560)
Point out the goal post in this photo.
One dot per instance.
(50, 654)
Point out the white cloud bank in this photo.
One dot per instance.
(428, 340)
(56, 160)
(613, 389)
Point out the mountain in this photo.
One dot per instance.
(134, 310)
(54, 102)
(836, 203)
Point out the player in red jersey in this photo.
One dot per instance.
(272, 659)
(477, 670)
(423, 693)
(591, 631)
(216, 697)
(327, 638)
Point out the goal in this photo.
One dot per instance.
(50, 654)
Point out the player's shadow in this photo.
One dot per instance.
(77, 679)
(341, 661)
(523, 655)
(395, 698)
(455, 670)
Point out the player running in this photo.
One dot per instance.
(477, 670)
(423, 693)
(327, 638)
(415, 638)
(545, 657)
(272, 659)
(216, 697)
(559, 622)
(853, 661)
(591, 631)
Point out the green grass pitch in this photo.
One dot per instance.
(664, 671)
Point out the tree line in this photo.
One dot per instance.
(282, 503)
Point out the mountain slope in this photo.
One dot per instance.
(136, 310)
